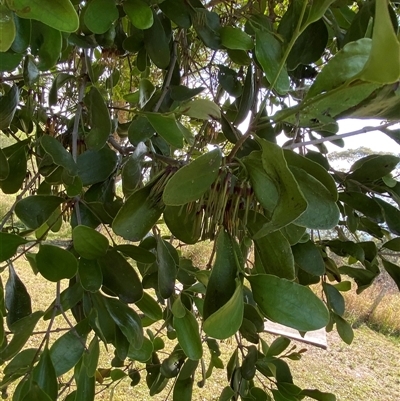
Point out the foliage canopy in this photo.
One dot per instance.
(122, 119)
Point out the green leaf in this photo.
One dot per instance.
(335, 298)
(46, 43)
(96, 166)
(120, 277)
(8, 105)
(157, 44)
(317, 11)
(17, 299)
(68, 349)
(59, 81)
(127, 320)
(22, 331)
(393, 244)
(362, 277)
(393, 270)
(45, 376)
(272, 250)
(222, 282)
(231, 314)
(344, 66)
(100, 15)
(291, 202)
(139, 13)
(90, 274)
(288, 303)
(373, 167)
(99, 119)
(278, 346)
(183, 390)
(137, 216)
(312, 168)
(202, 109)
(166, 126)
(182, 93)
(9, 62)
(362, 203)
(269, 54)
(177, 11)
(9, 245)
(150, 307)
(35, 393)
(31, 72)
(89, 243)
(17, 163)
(59, 155)
(4, 167)
(344, 329)
(322, 211)
(384, 42)
(308, 257)
(19, 365)
(392, 216)
(207, 26)
(137, 253)
(35, 210)
(183, 222)
(55, 263)
(7, 28)
(167, 268)
(235, 38)
(318, 395)
(187, 331)
(85, 386)
(142, 354)
(191, 181)
(226, 394)
(59, 14)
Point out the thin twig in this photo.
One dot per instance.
(335, 137)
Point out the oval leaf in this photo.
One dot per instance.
(89, 243)
(288, 303)
(55, 263)
(9, 245)
(193, 180)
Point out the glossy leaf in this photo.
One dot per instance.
(96, 166)
(9, 245)
(291, 201)
(36, 210)
(167, 127)
(17, 298)
(269, 54)
(89, 243)
(384, 42)
(167, 268)
(100, 14)
(202, 109)
(68, 349)
(4, 167)
(35, 393)
(7, 28)
(90, 274)
(59, 155)
(120, 277)
(309, 258)
(393, 270)
(99, 119)
(139, 13)
(22, 330)
(335, 299)
(17, 163)
(393, 244)
(85, 386)
(59, 14)
(392, 216)
(193, 180)
(127, 320)
(137, 216)
(235, 38)
(288, 303)
(322, 211)
(231, 313)
(45, 376)
(55, 263)
(187, 330)
(150, 307)
(177, 11)
(8, 105)
(344, 329)
(222, 282)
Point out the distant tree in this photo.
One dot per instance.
(152, 93)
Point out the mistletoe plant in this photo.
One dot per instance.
(122, 118)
